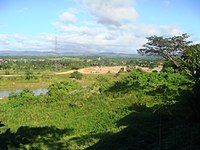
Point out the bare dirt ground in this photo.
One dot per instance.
(159, 68)
(106, 69)
(14, 75)
(101, 70)
(96, 70)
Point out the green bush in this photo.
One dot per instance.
(166, 85)
(7, 72)
(77, 75)
(121, 70)
(59, 90)
(22, 98)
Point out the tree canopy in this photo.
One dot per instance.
(171, 48)
(178, 50)
(183, 54)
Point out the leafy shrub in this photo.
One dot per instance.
(28, 74)
(117, 74)
(22, 98)
(77, 75)
(7, 72)
(101, 78)
(121, 70)
(165, 85)
(59, 90)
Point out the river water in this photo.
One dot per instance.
(35, 91)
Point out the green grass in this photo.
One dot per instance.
(89, 118)
(83, 113)
(45, 78)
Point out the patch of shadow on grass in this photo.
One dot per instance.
(146, 130)
(34, 138)
(141, 131)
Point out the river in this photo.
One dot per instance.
(6, 93)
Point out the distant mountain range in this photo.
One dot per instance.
(25, 53)
(51, 53)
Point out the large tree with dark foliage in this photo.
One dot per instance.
(178, 50)
(183, 54)
(171, 48)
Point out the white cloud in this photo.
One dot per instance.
(25, 42)
(197, 42)
(111, 12)
(126, 38)
(73, 28)
(19, 37)
(114, 29)
(120, 30)
(144, 30)
(4, 39)
(68, 17)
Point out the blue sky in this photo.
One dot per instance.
(94, 25)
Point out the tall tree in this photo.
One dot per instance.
(191, 60)
(171, 48)
(182, 54)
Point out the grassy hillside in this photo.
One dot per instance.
(136, 110)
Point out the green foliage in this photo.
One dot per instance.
(192, 62)
(165, 86)
(117, 74)
(59, 90)
(136, 110)
(84, 110)
(169, 48)
(7, 72)
(185, 57)
(28, 74)
(77, 75)
(168, 64)
(103, 83)
(177, 51)
(22, 98)
(121, 70)
(101, 78)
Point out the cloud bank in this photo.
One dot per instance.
(111, 26)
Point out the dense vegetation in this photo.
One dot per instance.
(184, 56)
(70, 116)
(39, 72)
(127, 110)
(18, 64)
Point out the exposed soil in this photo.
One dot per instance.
(101, 70)
(106, 69)
(159, 68)
(96, 70)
